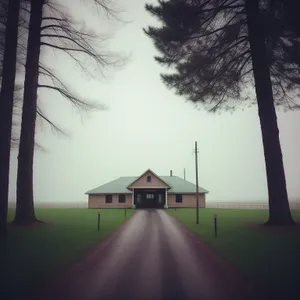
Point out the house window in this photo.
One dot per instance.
(122, 198)
(148, 178)
(150, 196)
(178, 197)
(108, 198)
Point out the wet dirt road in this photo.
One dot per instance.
(152, 257)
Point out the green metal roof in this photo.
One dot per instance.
(179, 185)
(119, 186)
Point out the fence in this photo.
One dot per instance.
(55, 204)
(248, 205)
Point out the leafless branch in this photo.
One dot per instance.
(54, 127)
(61, 33)
(74, 99)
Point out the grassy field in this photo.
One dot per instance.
(271, 259)
(30, 256)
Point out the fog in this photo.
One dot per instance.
(148, 126)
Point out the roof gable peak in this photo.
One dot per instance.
(130, 186)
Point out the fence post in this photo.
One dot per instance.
(98, 219)
(215, 224)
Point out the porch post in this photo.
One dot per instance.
(133, 206)
(166, 199)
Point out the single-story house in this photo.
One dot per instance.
(146, 191)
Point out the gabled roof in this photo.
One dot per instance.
(119, 186)
(181, 186)
(149, 170)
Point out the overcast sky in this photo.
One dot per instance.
(148, 126)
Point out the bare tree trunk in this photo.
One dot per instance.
(6, 105)
(25, 205)
(279, 210)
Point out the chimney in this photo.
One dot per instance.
(171, 173)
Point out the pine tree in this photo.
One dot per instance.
(216, 50)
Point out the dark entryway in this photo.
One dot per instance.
(149, 198)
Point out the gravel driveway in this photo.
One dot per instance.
(151, 257)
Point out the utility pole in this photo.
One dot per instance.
(184, 173)
(196, 151)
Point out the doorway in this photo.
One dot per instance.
(149, 198)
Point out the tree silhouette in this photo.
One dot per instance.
(20, 64)
(6, 104)
(216, 50)
(50, 27)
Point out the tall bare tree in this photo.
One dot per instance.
(50, 27)
(21, 58)
(6, 105)
(24, 209)
(18, 90)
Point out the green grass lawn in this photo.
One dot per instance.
(30, 256)
(270, 259)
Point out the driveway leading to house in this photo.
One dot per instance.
(151, 257)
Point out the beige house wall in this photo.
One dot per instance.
(98, 201)
(155, 182)
(188, 200)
